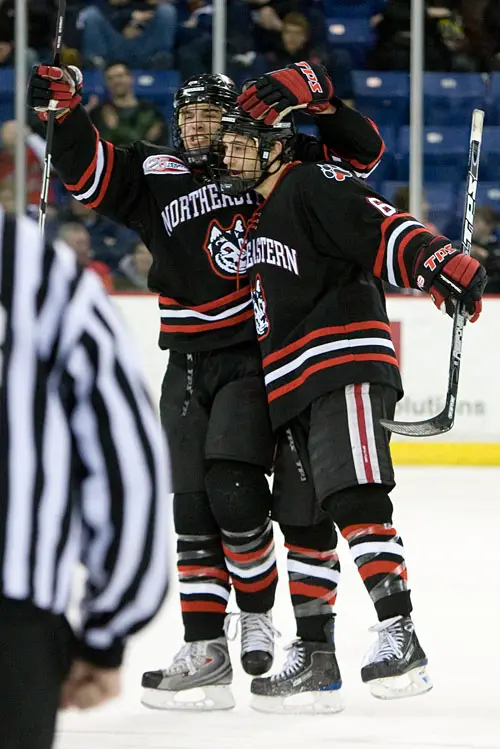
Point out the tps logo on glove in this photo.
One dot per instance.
(312, 78)
(433, 261)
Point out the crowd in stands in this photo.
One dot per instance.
(135, 53)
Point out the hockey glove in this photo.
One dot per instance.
(57, 89)
(302, 85)
(450, 277)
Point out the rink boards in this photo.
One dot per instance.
(422, 339)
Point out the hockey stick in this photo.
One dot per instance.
(47, 161)
(443, 422)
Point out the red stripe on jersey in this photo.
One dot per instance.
(107, 175)
(350, 532)
(207, 326)
(386, 223)
(359, 164)
(348, 359)
(248, 556)
(335, 330)
(312, 553)
(382, 568)
(221, 302)
(363, 435)
(209, 606)
(88, 172)
(312, 591)
(401, 252)
(256, 586)
(197, 571)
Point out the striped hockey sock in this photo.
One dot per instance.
(313, 576)
(379, 556)
(204, 586)
(251, 561)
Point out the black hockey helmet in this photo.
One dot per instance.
(207, 88)
(237, 121)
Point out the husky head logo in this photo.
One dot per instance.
(330, 171)
(223, 246)
(259, 309)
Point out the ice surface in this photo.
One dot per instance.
(449, 519)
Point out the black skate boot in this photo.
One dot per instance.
(396, 665)
(309, 682)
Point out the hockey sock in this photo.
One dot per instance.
(364, 516)
(203, 577)
(240, 501)
(313, 575)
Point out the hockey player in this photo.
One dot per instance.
(213, 403)
(315, 252)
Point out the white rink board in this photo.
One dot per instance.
(424, 350)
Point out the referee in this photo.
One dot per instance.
(83, 478)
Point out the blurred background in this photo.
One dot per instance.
(416, 67)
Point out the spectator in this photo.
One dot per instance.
(486, 246)
(123, 118)
(41, 24)
(445, 44)
(401, 199)
(293, 44)
(133, 270)
(77, 237)
(109, 241)
(140, 33)
(35, 148)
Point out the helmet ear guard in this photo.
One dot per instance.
(265, 136)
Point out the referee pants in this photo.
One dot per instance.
(35, 652)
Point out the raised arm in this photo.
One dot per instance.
(345, 135)
(95, 172)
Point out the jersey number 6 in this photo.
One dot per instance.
(385, 208)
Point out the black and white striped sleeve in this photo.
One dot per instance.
(124, 496)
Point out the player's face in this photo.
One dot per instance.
(198, 123)
(242, 156)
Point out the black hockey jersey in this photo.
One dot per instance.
(193, 232)
(314, 253)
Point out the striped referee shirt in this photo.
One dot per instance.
(83, 465)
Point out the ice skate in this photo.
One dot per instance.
(396, 665)
(198, 678)
(257, 640)
(309, 682)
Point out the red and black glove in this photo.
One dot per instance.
(450, 276)
(303, 85)
(56, 89)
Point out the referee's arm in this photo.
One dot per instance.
(125, 493)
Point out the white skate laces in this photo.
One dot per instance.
(295, 660)
(188, 660)
(390, 642)
(257, 630)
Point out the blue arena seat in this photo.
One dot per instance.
(449, 98)
(440, 196)
(352, 34)
(445, 154)
(489, 168)
(383, 96)
(488, 193)
(348, 8)
(6, 84)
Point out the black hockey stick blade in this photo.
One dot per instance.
(443, 422)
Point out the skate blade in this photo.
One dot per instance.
(197, 699)
(302, 703)
(414, 682)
